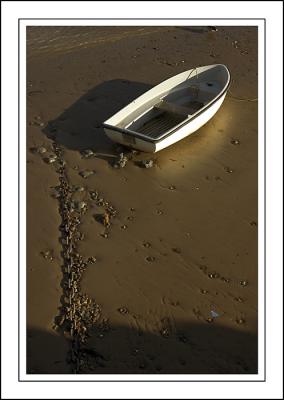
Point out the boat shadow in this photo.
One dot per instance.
(80, 126)
(188, 348)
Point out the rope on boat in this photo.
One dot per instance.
(194, 69)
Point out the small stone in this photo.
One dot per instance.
(85, 174)
(47, 255)
(203, 291)
(79, 205)
(78, 189)
(228, 170)
(147, 163)
(160, 212)
(172, 187)
(235, 141)
(50, 159)
(91, 260)
(244, 283)
(240, 321)
(41, 150)
(106, 219)
(150, 258)
(147, 244)
(214, 314)
(123, 310)
(239, 299)
(88, 153)
(123, 227)
(121, 161)
(209, 320)
(165, 332)
(104, 235)
(94, 195)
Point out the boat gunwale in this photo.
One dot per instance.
(177, 127)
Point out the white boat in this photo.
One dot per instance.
(171, 110)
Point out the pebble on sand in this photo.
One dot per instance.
(91, 260)
(165, 332)
(50, 159)
(123, 310)
(88, 153)
(121, 161)
(146, 163)
(235, 141)
(47, 255)
(86, 173)
(228, 170)
(41, 150)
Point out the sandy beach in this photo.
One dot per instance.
(167, 285)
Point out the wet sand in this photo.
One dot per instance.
(173, 280)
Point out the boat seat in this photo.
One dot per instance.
(184, 111)
(173, 108)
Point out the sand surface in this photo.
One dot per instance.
(175, 279)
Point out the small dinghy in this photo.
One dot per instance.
(171, 110)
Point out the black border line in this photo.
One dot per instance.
(264, 173)
(19, 191)
(143, 19)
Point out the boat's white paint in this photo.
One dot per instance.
(135, 109)
(191, 127)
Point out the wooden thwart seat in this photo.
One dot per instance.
(184, 111)
(173, 108)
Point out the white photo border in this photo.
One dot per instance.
(260, 376)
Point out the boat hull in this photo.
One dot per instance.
(182, 132)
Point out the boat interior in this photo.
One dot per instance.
(172, 108)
